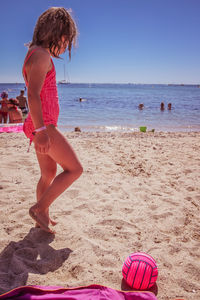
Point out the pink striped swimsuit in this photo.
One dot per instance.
(49, 100)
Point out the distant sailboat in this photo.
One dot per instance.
(64, 81)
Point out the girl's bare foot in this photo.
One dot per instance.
(53, 223)
(41, 219)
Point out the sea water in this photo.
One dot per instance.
(114, 107)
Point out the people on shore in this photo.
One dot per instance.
(15, 114)
(4, 107)
(23, 104)
(54, 33)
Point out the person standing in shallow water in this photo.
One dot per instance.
(169, 106)
(141, 106)
(162, 106)
(55, 31)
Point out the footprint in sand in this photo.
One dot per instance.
(187, 285)
(105, 262)
(197, 197)
(76, 271)
(175, 249)
(32, 171)
(97, 233)
(72, 193)
(194, 252)
(153, 207)
(187, 171)
(115, 222)
(162, 216)
(196, 235)
(190, 189)
(128, 210)
(167, 265)
(192, 270)
(83, 206)
(11, 191)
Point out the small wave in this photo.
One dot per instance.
(120, 128)
(101, 128)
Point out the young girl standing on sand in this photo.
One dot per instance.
(55, 31)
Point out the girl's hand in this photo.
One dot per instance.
(42, 142)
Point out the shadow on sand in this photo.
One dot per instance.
(125, 287)
(33, 254)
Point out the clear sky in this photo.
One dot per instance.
(120, 41)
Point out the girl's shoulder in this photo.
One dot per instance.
(37, 56)
(37, 53)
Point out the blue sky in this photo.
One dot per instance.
(120, 41)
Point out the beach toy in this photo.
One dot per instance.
(77, 129)
(143, 129)
(140, 271)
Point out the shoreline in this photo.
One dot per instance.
(123, 129)
(65, 129)
(139, 192)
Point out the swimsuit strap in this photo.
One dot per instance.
(30, 54)
(24, 71)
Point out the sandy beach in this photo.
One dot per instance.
(138, 192)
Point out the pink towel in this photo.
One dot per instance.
(12, 128)
(91, 292)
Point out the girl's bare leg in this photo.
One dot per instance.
(48, 168)
(61, 153)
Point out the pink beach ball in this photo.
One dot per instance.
(140, 271)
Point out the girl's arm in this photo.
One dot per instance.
(36, 70)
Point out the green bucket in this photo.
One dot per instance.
(143, 128)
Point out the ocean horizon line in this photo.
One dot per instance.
(118, 83)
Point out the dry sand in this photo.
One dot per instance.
(138, 192)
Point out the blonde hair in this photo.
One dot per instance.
(51, 26)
